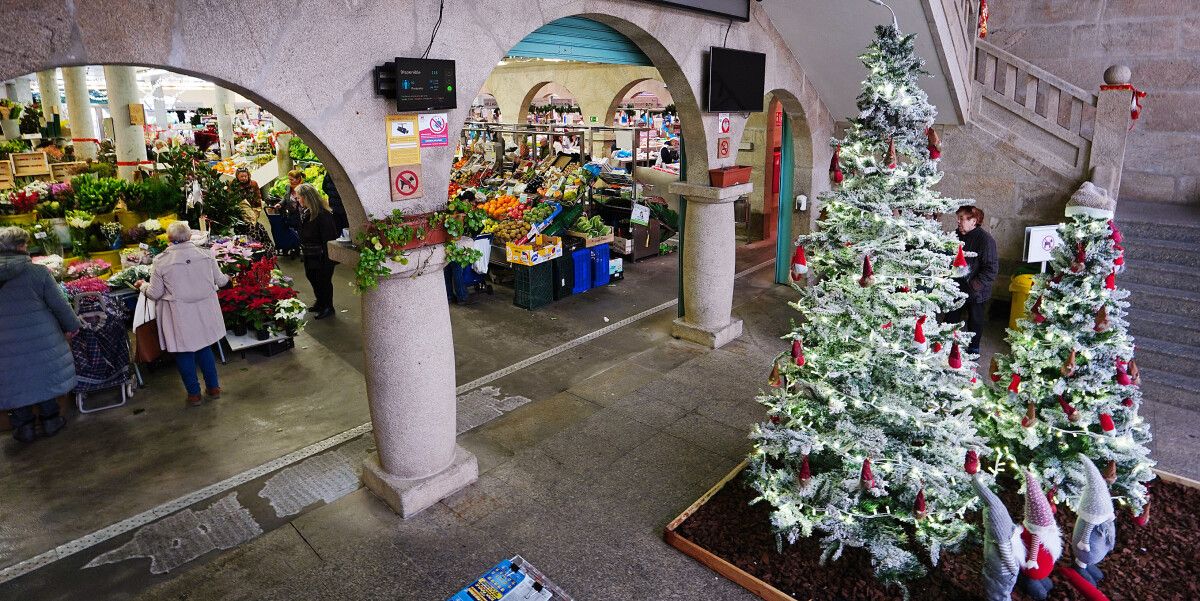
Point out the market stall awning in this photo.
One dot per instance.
(580, 39)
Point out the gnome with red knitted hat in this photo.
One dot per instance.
(1042, 540)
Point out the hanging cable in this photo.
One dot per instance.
(727, 28)
(436, 26)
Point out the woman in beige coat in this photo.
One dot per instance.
(184, 285)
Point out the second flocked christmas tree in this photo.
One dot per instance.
(870, 411)
(1070, 385)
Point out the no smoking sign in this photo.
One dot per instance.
(406, 182)
(722, 148)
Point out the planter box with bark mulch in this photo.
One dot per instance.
(1158, 561)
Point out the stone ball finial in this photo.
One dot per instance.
(1117, 74)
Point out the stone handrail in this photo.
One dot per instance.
(1053, 119)
(953, 25)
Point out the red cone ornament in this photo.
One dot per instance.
(971, 465)
(1036, 311)
(919, 333)
(994, 370)
(1143, 518)
(1110, 282)
(1123, 378)
(960, 260)
(865, 478)
(868, 274)
(797, 353)
(1106, 423)
(955, 360)
(1120, 260)
(1127, 402)
(1116, 233)
(835, 167)
(1014, 385)
(919, 505)
(937, 347)
(1080, 258)
(1070, 411)
(891, 155)
(935, 144)
(1030, 416)
(775, 420)
(805, 471)
(799, 264)
(1050, 498)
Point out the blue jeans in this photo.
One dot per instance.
(24, 415)
(186, 362)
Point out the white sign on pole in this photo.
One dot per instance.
(640, 214)
(1040, 242)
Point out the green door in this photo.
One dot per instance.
(783, 237)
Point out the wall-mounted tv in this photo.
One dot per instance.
(735, 80)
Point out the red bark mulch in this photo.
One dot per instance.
(1156, 562)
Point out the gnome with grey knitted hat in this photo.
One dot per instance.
(1091, 200)
(1042, 539)
(1003, 553)
(1095, 532)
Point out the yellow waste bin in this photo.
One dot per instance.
(1019, 287)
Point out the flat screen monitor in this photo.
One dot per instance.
(735, 80)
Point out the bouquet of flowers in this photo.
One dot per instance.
(88, 269)
(135, 256)
(152, 226)
(23, 201)
(88, 284)
(112, 234)
(289, 315)
(54, 263)
(126, 277)
(79, 222)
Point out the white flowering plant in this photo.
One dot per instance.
(289, 314)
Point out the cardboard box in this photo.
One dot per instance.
(536, 251)
(622, 246)
(590, 242)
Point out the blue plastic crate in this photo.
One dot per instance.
(582, 258)
(599, 256)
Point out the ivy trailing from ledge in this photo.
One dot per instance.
(390, 239)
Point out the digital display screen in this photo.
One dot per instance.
(735, 80)
(424, 84)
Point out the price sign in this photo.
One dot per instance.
(640, 215)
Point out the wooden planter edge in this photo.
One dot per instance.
(752, 583)
(713, 562)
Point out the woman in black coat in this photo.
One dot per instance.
(981, 273)
(317, 228)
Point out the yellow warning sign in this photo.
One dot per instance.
(402, 140)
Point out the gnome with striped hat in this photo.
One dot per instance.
(1042, 539)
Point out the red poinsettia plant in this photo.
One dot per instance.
(251, 300)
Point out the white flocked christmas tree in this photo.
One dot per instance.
(870, 414)
(1069, 385)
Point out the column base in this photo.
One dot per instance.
(710, 337)
(409, 497)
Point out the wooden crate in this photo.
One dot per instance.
(6, 174)
(61, 172)
(28, 164)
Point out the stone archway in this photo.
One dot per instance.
(624, 93)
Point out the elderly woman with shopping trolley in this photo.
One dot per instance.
(36, 322)
(184, 288)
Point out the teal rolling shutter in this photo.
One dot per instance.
(580, 39)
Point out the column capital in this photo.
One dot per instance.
(710, 194)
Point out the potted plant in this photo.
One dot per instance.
(10, 118)
(79, 222)
(289, 315)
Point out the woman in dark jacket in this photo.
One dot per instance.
(317, 228)
(35, 324)
(981, 271)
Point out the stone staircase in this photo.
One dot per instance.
(1162, 249)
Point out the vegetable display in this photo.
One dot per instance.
(594, 227)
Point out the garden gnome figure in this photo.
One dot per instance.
(1095, 532)
(1003, 553)
(1042, 539)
